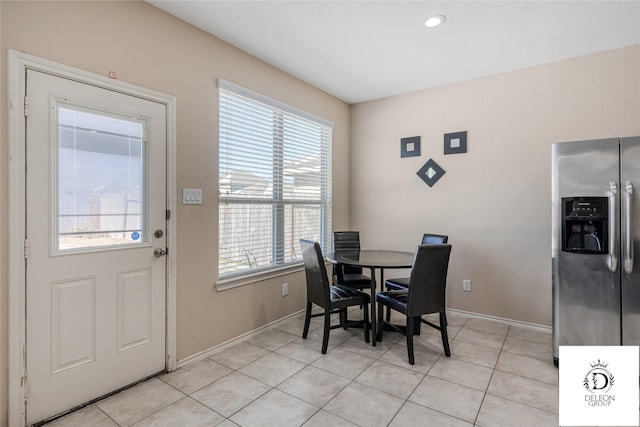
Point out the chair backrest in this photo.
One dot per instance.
(428, 281)
(434, 239)
(346, 241)
(316, 273)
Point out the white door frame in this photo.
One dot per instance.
(18, 63)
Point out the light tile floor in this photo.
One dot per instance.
(498, 375)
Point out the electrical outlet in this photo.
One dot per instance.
(285, 289)
(466, 285)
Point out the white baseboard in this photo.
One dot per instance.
(230, 343)
(511, 322)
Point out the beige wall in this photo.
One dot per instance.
(493, 201)
(152, 49)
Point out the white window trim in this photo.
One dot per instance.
(259, 276)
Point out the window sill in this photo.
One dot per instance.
(247, 279)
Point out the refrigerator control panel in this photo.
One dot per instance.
(586, 208)
(585, 225)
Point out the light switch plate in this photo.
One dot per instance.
(191, 196)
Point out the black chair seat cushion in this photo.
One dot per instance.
(400, 283)
(396, 299)
(344, 296)
(353, 279)
(357, 278)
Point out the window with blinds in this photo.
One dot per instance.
(275, 182)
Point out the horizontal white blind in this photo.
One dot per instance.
(275, 183)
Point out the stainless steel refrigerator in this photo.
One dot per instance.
(595, 227)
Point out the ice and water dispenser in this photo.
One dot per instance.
(585, 225)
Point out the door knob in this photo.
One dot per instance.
(159, 252)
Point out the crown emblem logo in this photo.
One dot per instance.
(599, 364)
(598, 380)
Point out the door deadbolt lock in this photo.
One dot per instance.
(158, 234)
(159, 252)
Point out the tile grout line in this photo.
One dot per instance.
(493, 370)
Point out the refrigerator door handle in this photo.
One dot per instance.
(628, 258)
(613, 256)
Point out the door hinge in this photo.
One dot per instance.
(168, 214)
(145, 134)
(26, 248)
(26, 106)
(24, 383)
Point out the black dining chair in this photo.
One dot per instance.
(403, 282)
(425, 295)
(349, 241)
(331, 298)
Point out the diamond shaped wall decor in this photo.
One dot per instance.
(430, 172)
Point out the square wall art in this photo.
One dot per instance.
(410, 147)
(455, 142)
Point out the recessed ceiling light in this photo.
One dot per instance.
(435, 21)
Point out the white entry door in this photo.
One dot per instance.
(96, 212)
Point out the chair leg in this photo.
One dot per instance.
(388, 314)
(411, 321)
(443, 332)
(327, 327)
(343, 318)
(416, 326)
(366, 324)
(380, 324)
(307, 320)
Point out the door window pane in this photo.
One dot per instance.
(100, 187)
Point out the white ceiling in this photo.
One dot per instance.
(364, 50)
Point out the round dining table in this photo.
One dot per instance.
(373, 259)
